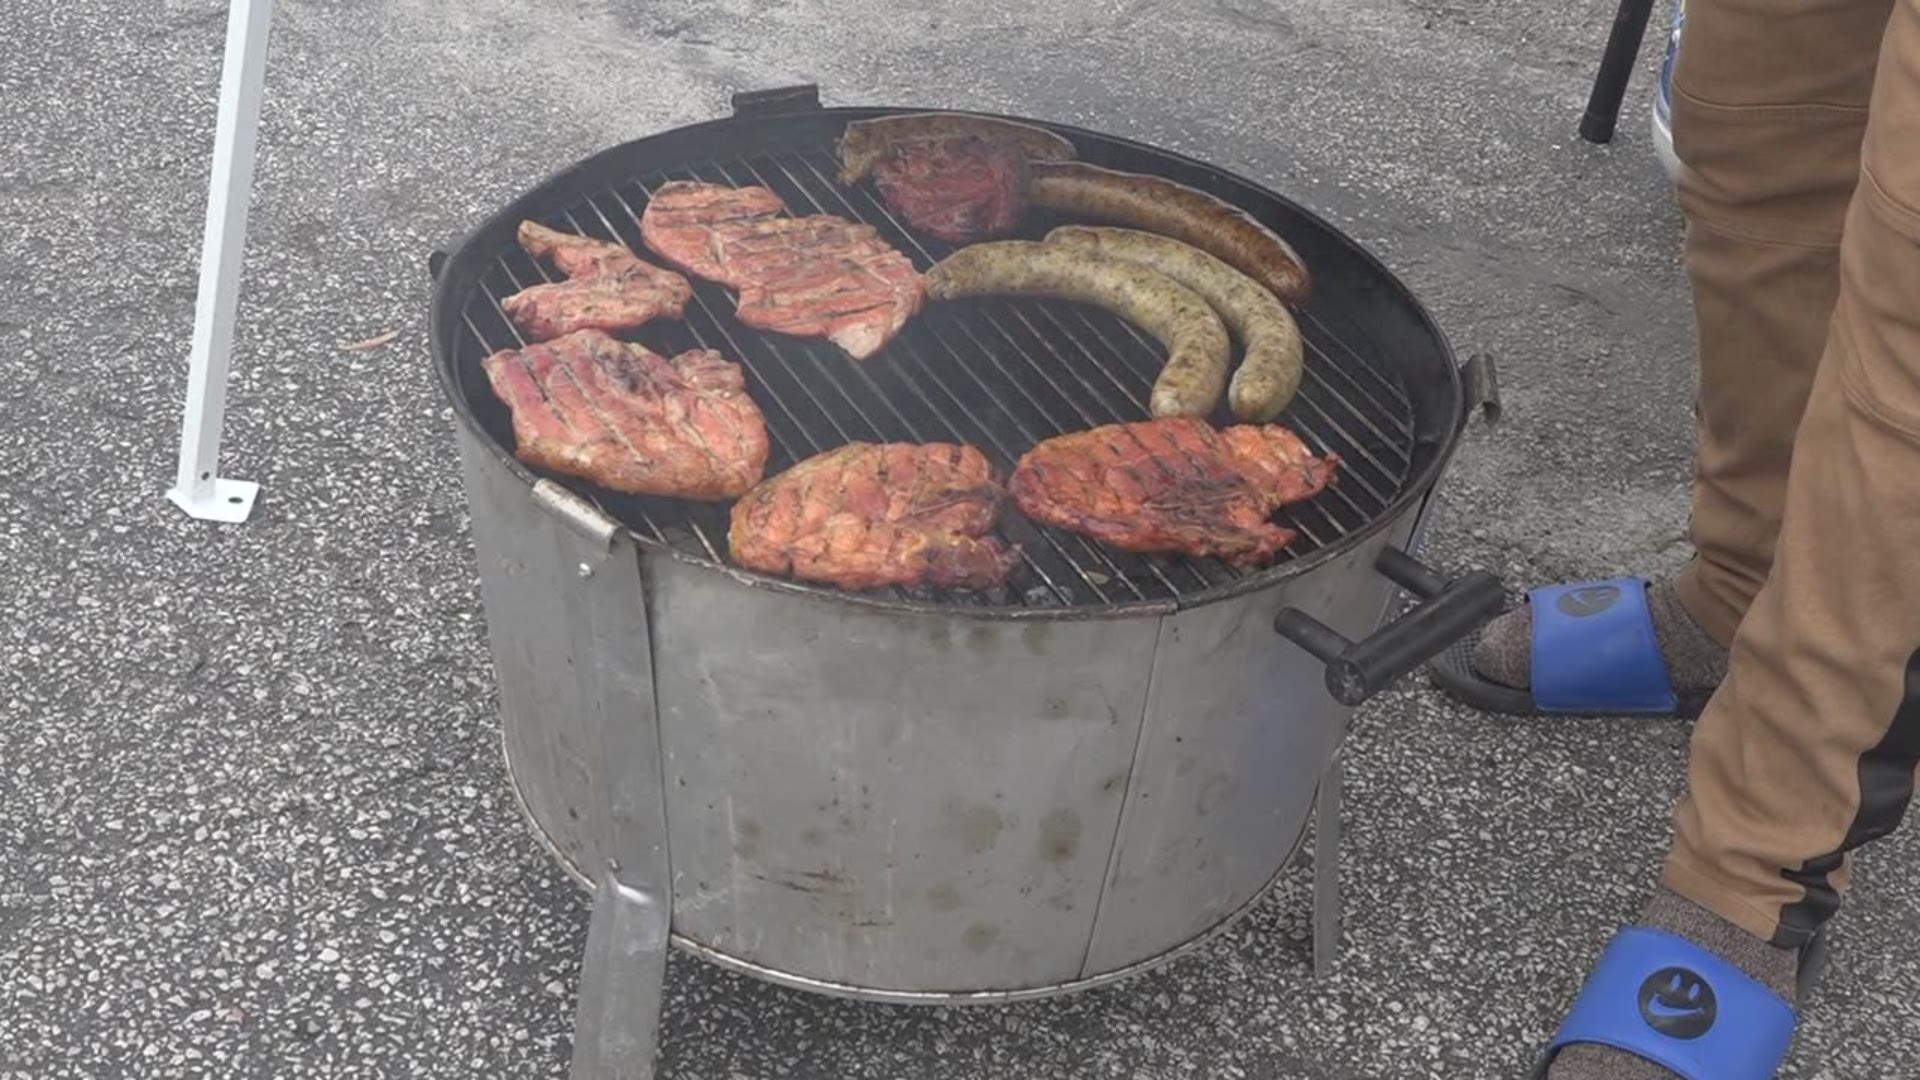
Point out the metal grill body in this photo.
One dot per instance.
(916, 795)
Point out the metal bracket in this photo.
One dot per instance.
(197, 488)
(1326, 866)
(775, 102)
(623, 975)
(616, 1030)
(1482, 386)
(576, 513)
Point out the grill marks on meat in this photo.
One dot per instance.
(866, 515)
(815, 276)
(681, 218)
(607, 287)
(1173, 485)
(959, 189)
(592, 406)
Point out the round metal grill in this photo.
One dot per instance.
(1380, 387)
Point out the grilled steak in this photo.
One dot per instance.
(607, 287)
(817, 276)
(959, 189)
(866, 515)
(592, 406)
(1172, 485)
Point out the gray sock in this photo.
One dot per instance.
(1694, 660)
(1772, 967)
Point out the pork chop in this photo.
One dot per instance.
(872, 514)
(1172, 485)
(607, 287)
(813, 276)
(592, 406)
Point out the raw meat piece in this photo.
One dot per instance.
(607, 287)
(816, 276)
(592, 406)
(868, 514)
(958, 189)
(1172, 485)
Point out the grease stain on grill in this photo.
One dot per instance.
(1214, 793)
(980, 937)
(746, 842)
(975, 828)
(1060, 836)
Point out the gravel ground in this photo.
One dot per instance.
(252, 817)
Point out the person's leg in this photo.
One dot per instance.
(1769, 103)
(1810, 747)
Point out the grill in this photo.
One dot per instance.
(997, 374)
(911, 795)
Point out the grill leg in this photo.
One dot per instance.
(198, 488)
(616, 1033)
(1326, 868)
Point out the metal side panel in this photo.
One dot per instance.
(570, 655)
(1239, 729)
(890, 802)
(524, 593)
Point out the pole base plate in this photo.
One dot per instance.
(229, 501)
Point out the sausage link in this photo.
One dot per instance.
(1159, 205)
(865, 142)
(1274, 355)
(1198, 349)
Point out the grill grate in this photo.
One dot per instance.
(999, 374)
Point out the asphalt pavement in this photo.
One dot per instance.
(253, 821)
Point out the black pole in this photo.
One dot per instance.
(1610, 85)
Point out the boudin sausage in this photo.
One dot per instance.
(865, 142)
(1273, 355)
(1157, 204)
(1198, 349)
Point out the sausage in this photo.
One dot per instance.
(1198, 349)
(865, 142)
(1273, 356)
(1157, 204)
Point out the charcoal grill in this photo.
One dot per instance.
(919, 795)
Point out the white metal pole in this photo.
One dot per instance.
(198, 487)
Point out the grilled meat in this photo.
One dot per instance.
(957, 189)
(865, 142)
(1172, 485)
(607, 287)
(867, 515)
(1158, 205)
(1198, 349)
(592, 406)
(816, 276)
(681, 218)
(1275, 355)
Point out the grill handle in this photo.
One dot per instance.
(1357, 670)
(780, 100)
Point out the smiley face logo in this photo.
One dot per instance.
(1678, 1003)
(1591, 600)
